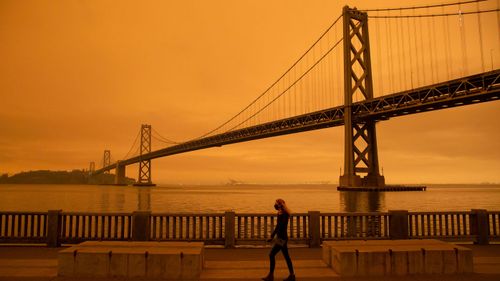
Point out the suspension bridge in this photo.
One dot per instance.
(413, 60)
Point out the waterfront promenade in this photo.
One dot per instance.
(30, 263)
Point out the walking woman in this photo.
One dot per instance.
(280, 242)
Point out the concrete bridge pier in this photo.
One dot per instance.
(120, 178)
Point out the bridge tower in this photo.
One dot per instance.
(145, 165)
(106, 161)
(360, 152)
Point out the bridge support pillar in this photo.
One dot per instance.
(91, 168)
(120, 178)
(360, 151)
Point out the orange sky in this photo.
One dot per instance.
(78, 77)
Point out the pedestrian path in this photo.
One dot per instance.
(28, 267)
(244, 270)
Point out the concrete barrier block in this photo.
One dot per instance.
(118, 264)
(66, 263)
(396, 257)
(335, 260)
(415, 262)
(191, 264)
(449, 261)
(433, 261)
(372, 263)
(92, 263)
(156, 265)
(327, 254)
(344, 262)
(136, 265)
(464, 260)
(173, 266)
(202, 257)
(399, 262)
(155, 260)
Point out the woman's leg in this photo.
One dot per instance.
(272, 260)
(284, 249)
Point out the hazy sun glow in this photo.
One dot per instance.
(78, 77)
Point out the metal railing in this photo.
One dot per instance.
(253, 227)
(208, 228)
(23, 227)
(336, 226)
(230, 229)
(448, 225)
(494, 225)
(78, 227)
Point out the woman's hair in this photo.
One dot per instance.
(282, 203)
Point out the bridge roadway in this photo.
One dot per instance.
(477, 88)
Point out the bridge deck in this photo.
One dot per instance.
(477, 88)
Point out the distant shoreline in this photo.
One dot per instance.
(76, 177)
(81, 177)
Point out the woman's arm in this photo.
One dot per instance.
(274, 231)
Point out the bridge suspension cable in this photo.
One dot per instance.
(162, 139)
(260, 97)
(423, 6)
(424, 45)
(435, 15)
(133, 145)
(288, 88)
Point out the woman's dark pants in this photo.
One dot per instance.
(284, 249)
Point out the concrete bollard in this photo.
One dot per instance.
(141, 225)
(229, 217)
(398, 224)
(314, 229)
(479, 226)
(54, 228)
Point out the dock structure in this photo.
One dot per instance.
(383, 188)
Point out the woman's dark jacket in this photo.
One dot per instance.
(281, 226)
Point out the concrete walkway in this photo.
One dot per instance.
(28, 263)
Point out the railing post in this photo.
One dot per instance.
(479, 226)
(141, 225)
(314, 231)
(398, 224)
(54, 228)
(229, 217)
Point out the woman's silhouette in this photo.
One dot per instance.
(280, 242)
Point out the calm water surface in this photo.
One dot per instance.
(251, 198)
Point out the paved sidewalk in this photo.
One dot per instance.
(28, 263)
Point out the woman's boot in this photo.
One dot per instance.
(290, 277)
(269, 277)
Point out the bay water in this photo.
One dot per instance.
(242, 198)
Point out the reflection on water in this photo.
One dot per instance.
(105, 201)
(241, 198)
(362, 201)
(144, 199)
